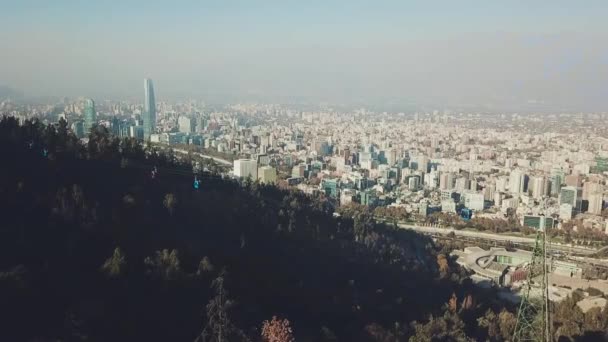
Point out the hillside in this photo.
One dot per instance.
(93, 248)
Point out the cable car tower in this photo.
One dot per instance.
(533, 319)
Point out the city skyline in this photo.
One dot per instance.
(543, 54)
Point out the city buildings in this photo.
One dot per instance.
(540, 166)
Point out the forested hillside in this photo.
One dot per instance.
(93, 247)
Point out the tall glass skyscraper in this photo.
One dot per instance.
(149, 115)
(90, 117)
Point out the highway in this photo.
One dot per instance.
(496, 237)
(219, 160)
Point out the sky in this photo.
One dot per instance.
(447, 52)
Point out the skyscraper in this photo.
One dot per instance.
(90, 117)
(517, 181)
(149, 115)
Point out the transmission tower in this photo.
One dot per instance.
(533, 321)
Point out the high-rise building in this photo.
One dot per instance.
(517, 182)
(78, 129)
(246, 168)
(557, 179)
(590, 188)
(538, 187)
(423, 164)
(149, 114)
(595, 203)
(446, 181)
(90, 116)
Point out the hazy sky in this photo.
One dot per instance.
(422, 51)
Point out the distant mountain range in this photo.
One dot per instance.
(8, 92)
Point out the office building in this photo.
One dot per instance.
(149, 113)
(90, 116)
(246, 168)
(330, 188)
(567, 195)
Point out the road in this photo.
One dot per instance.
(219, 160)
(496, 237)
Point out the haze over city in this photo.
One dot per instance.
(311, 171)
(551, 53)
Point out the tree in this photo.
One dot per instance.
(277, 330)
(115, 265)
(444, 267)
(205, 266)
(506, 323)
(164, 264)
(490, 322)
(219, 328)
(447, 328)
(170, 202)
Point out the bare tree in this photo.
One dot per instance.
(219, 328)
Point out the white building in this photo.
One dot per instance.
(565, 211)
(595, 203)
(185, 124)
(474, 201)
(516, 182)
(246, 168)
(448, 206)
(538, 187)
